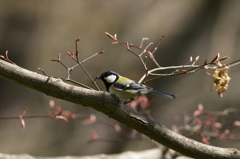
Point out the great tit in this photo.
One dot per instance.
(126, 88)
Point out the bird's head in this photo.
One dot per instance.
(109, 78)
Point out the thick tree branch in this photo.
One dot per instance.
(112, 106)
(155, 153)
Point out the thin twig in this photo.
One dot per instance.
(155, 49)
(94, 82)
(171, 67)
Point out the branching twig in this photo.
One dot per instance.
(208, 128)
(6, 58)
(76, 59)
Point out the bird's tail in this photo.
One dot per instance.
(162, 94)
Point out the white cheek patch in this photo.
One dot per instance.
(111, 78)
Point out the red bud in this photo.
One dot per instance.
(205, 62)
(2, 57)
(59, 57)
(51, 103)
(110, 36)
(182, 70)
(163, 36)
(100, 52)
(69, 54)
(94, 135)
(22, 122)
(196, 59)
(61, 117)
(236, 123)
(215, 58)
(223, 58)
(40, 69)
(117, 128)
(127, 46)
(204, 140)
(6, 54)
(72, 53)
(21, 118)
(145, 38)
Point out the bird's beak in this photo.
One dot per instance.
(97, 77)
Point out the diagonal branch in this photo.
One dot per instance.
(112, 106)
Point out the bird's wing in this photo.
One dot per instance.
(133, 85)
(126, 84)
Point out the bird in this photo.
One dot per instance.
(126, 88)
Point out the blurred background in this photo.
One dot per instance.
(34, 32)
